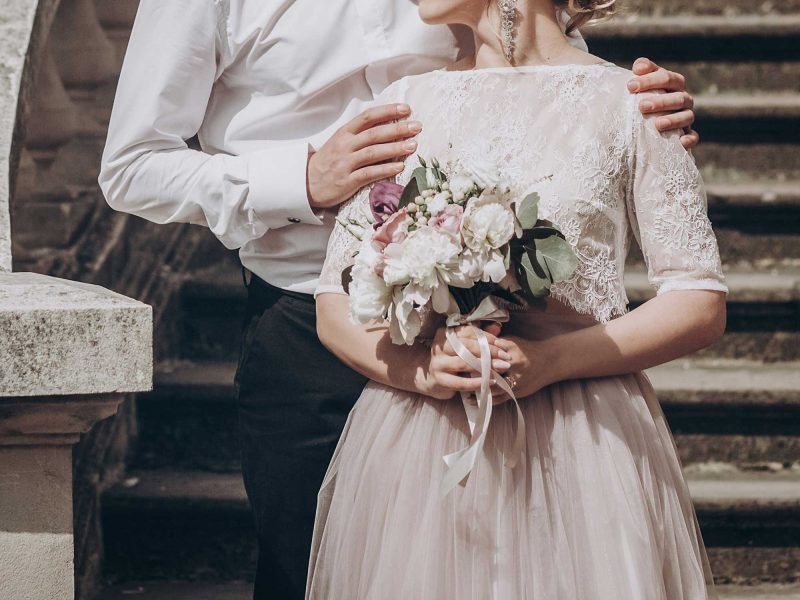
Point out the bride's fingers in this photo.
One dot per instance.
(474, 348)
(459, 384)
(454, 364)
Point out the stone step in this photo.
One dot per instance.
(711, 28)
(708, 7)
(244, 591)
(770, 160)
(738, 412)
(187, 525)
(769, 119)
(708, 49)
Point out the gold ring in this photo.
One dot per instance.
(512, 381)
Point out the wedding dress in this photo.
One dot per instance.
(598, 508)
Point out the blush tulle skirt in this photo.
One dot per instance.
(598, 509)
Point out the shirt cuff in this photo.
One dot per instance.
(278, 192)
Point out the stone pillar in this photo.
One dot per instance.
(70, 352)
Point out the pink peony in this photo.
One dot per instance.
(384, 200)
(449, 220)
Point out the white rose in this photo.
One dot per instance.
(430, 178)
(438, 203)
(461, 185)
(484, 172)
(487, 225)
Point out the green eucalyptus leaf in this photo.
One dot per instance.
(409, 193)
(541, 232)
(528, 211)
(421, 177)
(538, 283)
(557, 256)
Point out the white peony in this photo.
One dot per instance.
(494, 268)
(370, 297)
(405, 322)
(420, 258)
(487, 224)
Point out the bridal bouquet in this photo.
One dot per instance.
(451, 243)
(454, 243)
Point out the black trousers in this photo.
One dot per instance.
(293, 400)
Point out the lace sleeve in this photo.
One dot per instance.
(667, 209)
(343, 244)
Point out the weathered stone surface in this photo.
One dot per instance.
(64, 337)
(16, 23)
(36, 559)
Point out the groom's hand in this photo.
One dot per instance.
(369, 148)
(675, 105)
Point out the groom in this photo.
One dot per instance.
(278, 94)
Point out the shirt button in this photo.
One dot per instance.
(293, 220)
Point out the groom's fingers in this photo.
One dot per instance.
(672, 102)
(372, 155)
(381, 134)
(377, 115)
(679, 121)
(374, 173)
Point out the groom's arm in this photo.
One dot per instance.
(174, 57)
(674, 105)
(177, 50)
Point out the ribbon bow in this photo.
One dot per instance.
(461, 463)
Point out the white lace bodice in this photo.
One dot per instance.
(603, 172)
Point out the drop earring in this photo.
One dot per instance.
(508, 23)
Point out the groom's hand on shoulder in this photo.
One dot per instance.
(369, 148)
(674, 105)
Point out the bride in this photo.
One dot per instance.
(598, 508)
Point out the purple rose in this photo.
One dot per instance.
(384, 200)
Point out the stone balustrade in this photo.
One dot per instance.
(70, 352)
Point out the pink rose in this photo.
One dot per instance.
(384, 200)
(449, 220)
(394, 230)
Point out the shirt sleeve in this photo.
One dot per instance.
(173, 59)
(667, 209)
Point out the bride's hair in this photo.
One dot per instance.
(583, 11)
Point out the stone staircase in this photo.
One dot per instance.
(181, 518)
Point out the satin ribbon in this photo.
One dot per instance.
(460, 463)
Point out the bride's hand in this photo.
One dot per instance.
(446, 374)
(531, 367)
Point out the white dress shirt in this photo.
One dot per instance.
(258, 82)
